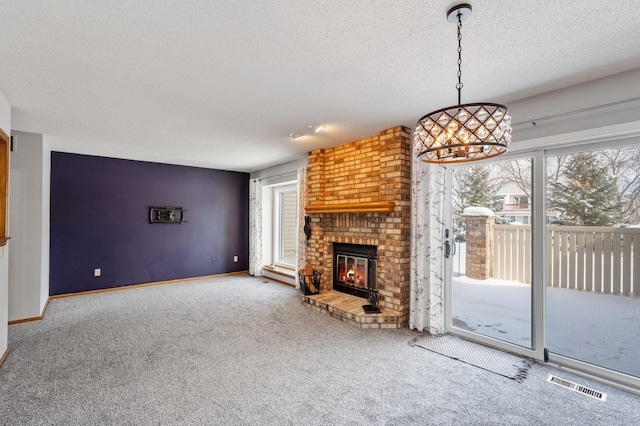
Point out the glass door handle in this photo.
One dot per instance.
(450, 249)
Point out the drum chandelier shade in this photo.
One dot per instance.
(464, 132)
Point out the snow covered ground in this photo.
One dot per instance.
(600, 329)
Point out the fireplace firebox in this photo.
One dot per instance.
(354, 269)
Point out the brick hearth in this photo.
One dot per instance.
(348, 308)
(370, 178)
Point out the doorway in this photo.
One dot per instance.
(490, 254)
(544, 257)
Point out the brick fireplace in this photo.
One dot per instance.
(360, 194)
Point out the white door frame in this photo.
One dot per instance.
(537, 284)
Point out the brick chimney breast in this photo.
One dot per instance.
(371, 179)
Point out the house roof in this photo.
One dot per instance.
(223, 83)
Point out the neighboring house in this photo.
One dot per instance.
(516, 205)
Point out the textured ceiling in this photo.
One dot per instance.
(222, 83)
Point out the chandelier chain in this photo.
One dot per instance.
(464, 132)
(459, 85)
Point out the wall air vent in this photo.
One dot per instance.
(577, 388)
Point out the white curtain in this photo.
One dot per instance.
(427, 247)
(303, 194)
(255, 227)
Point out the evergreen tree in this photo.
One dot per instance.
(585, 193)
(473, 187)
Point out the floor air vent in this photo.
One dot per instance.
(577, 388)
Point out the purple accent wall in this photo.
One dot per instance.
(100, 219)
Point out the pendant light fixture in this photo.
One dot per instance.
(465, 132)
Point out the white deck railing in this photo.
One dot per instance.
(588, 258)
(512, 253)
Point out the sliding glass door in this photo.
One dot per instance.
(543, 257)
(593, 258)
(489, 247)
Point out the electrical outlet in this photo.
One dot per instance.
(235, 259)
(97, 272)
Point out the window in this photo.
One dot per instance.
(523, 202)
(285, 226)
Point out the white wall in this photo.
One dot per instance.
(606, 90)
(29, 212)
(5, 125)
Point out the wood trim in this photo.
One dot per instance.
(21, 320)
(18, 321)
(4, 356)
(127, 287)
(378, 207)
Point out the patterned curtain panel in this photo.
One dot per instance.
(255, 227)
(303, 193)
(427, 247)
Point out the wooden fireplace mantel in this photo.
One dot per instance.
(378, 207)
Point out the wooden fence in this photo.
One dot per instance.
(588, 258)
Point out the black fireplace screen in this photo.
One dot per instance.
(354, 268)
